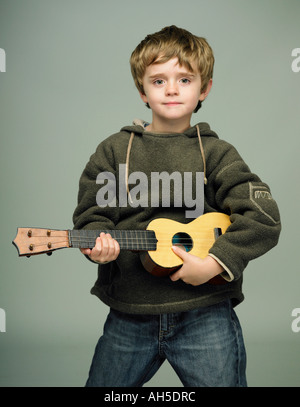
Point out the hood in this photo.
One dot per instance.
(140, 126)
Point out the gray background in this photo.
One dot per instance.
(67, 86)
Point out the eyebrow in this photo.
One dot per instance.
(185, 73)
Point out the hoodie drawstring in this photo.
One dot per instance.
(202, 154)
(128, 156)
(127, 165)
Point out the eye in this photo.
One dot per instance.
(158, 82)
(185, 80)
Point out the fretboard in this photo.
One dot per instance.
(139, 240)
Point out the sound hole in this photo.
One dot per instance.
(183, 240)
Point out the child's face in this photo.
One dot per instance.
(172, 92)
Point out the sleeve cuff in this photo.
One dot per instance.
(226, 274)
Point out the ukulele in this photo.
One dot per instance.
(154, 244)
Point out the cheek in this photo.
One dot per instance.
(153, 98)
(197, 95)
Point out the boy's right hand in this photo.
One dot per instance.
(106, 249)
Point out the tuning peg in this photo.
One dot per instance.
(28, 256)
(49, 253)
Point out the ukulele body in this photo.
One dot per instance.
(196, 237)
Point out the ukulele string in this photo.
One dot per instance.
(167, 242)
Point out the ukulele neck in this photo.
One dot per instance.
(139, 240)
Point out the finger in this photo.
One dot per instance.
(109, 246)
(117, 248)
(114, 247)
(104, 245)
(105, 249)
(176, 276)
(98, 245)
(180, 252)
(86, 251)
(97, 249)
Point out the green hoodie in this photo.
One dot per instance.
(130, 161)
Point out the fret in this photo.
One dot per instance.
(137, 240)
(132, 242)
(127, 241)
(140, 238)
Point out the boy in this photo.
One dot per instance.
(183, 318)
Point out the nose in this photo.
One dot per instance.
(171, 88)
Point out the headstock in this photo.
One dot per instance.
(31, 241)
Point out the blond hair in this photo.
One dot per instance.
(172, 42)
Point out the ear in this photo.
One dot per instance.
(206, 92)
(143, 97)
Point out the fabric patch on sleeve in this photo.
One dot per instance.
(261, 197)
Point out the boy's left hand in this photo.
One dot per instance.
(195, 271)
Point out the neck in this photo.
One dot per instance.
(127, 239)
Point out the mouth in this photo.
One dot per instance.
(172, 103)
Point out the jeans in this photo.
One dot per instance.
(204, 346)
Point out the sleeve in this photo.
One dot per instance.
(89, 213)
(254, 214)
